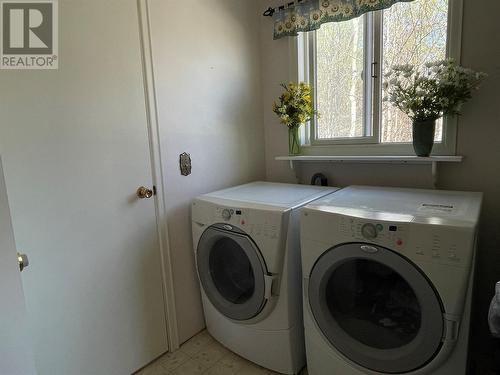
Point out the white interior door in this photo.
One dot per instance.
(16, 357)
(75, 150)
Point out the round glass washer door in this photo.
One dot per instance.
(231, 271)
(376, 308)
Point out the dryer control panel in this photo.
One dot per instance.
(268, 227)
(231, 215)
(388, 234)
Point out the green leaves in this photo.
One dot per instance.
(429, 92)
(294, 106)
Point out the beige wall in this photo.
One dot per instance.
(478, 141)
(275, 56)
(207, 70)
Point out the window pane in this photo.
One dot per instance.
(414, 33)
(339, 83)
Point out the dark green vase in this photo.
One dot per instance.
(423, 137)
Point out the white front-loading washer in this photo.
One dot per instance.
(387, 280)
(247, 248)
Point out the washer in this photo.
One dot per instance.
(387, 280)
(247, 249)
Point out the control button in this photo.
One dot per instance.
(226, 214)
(369, 231)
(380, 227)
(420, 252)
(399, 242)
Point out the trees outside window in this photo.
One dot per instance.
(347, 62)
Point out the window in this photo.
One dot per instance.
(346, 61)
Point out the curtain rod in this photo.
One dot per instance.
(270, 11)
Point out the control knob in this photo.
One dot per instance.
(226, 214)
(369, 231)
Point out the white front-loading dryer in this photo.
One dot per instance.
(247, 249)
(388, 280)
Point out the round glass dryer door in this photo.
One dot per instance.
(376, 308)
(231, 271)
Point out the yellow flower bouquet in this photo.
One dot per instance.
(294, 109)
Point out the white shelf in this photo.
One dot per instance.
(373, 159)
(432, 160)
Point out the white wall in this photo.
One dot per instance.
(207, 68)
(478, 141)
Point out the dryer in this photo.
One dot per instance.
(246, 243)
(388, 280)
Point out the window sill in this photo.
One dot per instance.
(377, 159)
(369, 150)
(373, 159)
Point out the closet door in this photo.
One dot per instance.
(75, 147)
(16, 357)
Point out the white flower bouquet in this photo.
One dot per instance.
(432, 91)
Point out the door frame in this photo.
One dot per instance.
(151, 106)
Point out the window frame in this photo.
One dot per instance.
(304, 69)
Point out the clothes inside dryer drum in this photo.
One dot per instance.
(374, 304)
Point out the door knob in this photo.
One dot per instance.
(23, 261)
(144, 192)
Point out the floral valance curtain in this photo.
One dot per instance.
(311, 14)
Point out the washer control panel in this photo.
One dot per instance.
(451, 247)
(391, 235)
(434, 244)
